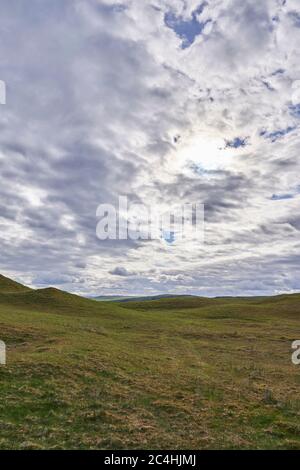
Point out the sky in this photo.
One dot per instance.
(163, 101)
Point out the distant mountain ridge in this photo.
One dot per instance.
(121, 298)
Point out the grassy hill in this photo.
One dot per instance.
(51, 300)
(172, 373)
(9, 286)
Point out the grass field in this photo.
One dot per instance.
(185, 373)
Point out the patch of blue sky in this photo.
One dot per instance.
(186, 29)
(293, 193)
(275, 135)
(207, 174)
(295, 110)
(237, 142)
(281, 197)
(169, 237)
(198, 169)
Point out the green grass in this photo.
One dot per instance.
(9, 286)
(169, 374)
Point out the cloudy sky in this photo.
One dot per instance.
(164, 101)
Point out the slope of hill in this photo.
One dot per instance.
(169, 303)
(52, 300)
(281, 303)
(9, 286)
(172, 373)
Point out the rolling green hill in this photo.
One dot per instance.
(290, 303)
(51, 300)
(9, 286)
(175, 373)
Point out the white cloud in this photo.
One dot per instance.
(104, 101)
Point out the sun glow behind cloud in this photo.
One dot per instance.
(207, 152)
